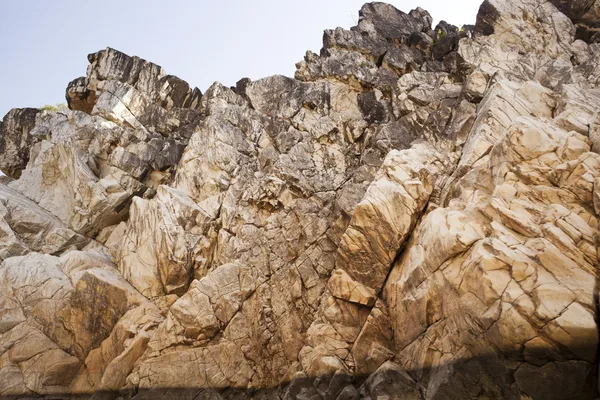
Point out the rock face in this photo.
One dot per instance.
(413, 216)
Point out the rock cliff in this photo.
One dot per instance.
(413, 216)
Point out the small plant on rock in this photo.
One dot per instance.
(55, 108)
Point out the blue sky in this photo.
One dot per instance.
(44, 44)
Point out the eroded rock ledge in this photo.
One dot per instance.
(413, 216)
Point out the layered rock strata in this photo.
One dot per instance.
(414, 215)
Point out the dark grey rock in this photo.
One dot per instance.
(391, 382)
(16, 140)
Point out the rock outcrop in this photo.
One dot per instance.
(413, 216)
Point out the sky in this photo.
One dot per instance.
(44, 44)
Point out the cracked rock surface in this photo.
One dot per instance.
(414, 215)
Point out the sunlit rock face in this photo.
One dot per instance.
(414, 215)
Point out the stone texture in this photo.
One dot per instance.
(15, 140)
(413, 216)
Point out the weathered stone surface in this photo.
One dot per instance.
(382, 220)
(584, 14)
(15, 140)
(369, 54)
(85, 169)
(28, 227)
(54, 311)
(414, 216)
(391, 382)
(107, 366)
(32, 363)
(79, 97)
(168, 91)
(166, 242)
